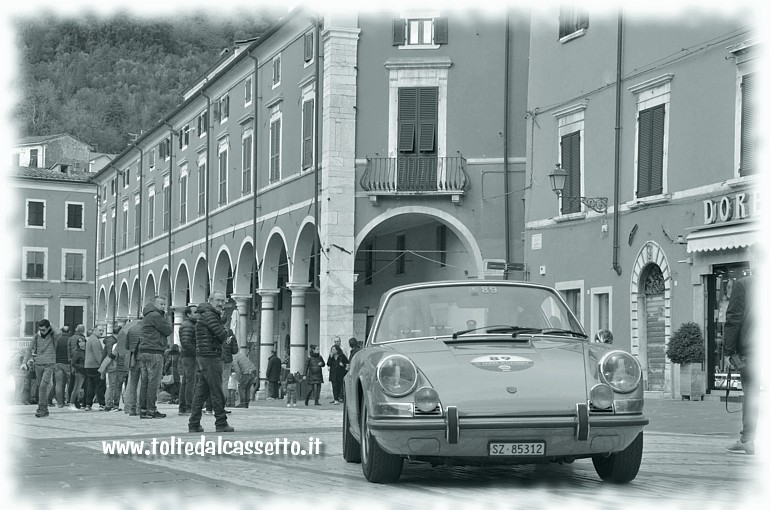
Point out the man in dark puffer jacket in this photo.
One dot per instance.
(152, 344)
(210, 334)
(187, 341)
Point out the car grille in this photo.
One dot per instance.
(438, 411)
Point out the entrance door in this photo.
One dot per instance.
(719, 287)
(73, 315)
(655, 323)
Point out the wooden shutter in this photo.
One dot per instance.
(226, 107)
(428, 119)
(399, 32)
(570, 161)
(308, 46)
(440, 31)
(275, 144)
(407, 118)
(650, 159)
(748, 125)
(307, 134)
(216, 113)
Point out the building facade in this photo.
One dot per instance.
(657, 116)
(311, 169)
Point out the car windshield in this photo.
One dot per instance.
(470, 310)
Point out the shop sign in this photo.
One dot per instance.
(731, 207)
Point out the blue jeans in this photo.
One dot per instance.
(44, 376)
(116, 379)
(151, 366)
(134, 376)
(750, 404)
(209, 385)
(61, 376)
(187, 388)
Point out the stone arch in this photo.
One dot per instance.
(459, 229)
(302, 256)
(123, 302)
(149, 287)
(247, 263)
(222, 279)
(650, 254)
(101, 308)
(164, 284)
(182, 293)
(271, 261)
(136, 297)
(200, 284)
(112, 303)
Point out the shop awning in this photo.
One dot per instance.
(723, 237)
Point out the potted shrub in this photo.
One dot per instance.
(686, 349)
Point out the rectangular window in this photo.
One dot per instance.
(184, 137)
(36, 213)
(113, 186)
(309, 47)
(749, 132)
(201, 188)
(275, 149)
(33, 158)
(441, 245)
(308, 125)
(166, 208)
(247, 92)
(152, 158)
(102, 236)
(74, 213)
(35, 265)
(151, 214)
(203, 123)
(651, 147)
(165, 149)
(137, 220)
(183, 199)
(603, 311)
(400, 253)
(73, 266)
(423, 31)
(33, 314)
(223, 173)
(570, 162)
(246, 165)
(223, 108)
(417, 126)
(113, 228)
(572, 19)
(572, 297)
(276, 71)
(124, 226)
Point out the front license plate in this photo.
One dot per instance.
(517, 449)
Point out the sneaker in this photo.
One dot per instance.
(73, 408)
(741, 448)
(102, 408)
(333, 402)
(318, 403)
(156, 414)
(194, 428)
(288, 405)
(41, 413)
(115, 410)
(88, 408)
(337, 402)
(226, 428)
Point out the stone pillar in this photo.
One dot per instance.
(298, 345)
(337, 217)
(242, 302)
(178, 318)
(265, 337)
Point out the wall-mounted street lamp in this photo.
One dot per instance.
(558, 176)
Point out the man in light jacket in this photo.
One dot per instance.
(152, 344)
(95, 385)
(43, 346)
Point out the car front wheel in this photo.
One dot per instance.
(621, 467)
(351, 449)
(378, 466)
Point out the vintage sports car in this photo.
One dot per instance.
(483, 373)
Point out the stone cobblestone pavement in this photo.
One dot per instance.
(58, 461)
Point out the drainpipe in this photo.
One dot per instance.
(170, 209)
(616, 200)
(96, 257)
(209, 134)
(254, 183)
(114, 224)
(506, 184)
(139, 241)
(316, 177)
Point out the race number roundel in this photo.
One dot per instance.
(502, 362)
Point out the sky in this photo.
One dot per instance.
(11, 8)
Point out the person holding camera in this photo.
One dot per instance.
(738, 346)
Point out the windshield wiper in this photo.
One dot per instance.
(498, 328)
(549, 331)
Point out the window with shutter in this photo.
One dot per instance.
(33, 314)
(572, 20)
(749, 132)
(424, 32)
(309, 46)
(35, 265)
(307, 134)
(247, 91)
(73, 266)
(399, 32)
(75, 216)
(440, 31)
(183, 200)
(417, 122)
(222, 177)
(570, 162)
(201, 188)
(650, 157)
(35, 213)
(246, 157)
(276, 71)
(275, 150)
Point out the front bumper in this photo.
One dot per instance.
(468, 436)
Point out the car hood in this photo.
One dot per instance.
(503, 377)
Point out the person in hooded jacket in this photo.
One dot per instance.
(187, 360)
(43, 346)
(314, 374)
(152, 344)
(77, 363)
(210, 336)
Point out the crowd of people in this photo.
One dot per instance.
(135, 364)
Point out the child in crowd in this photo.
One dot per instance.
(232, 388)
(291, 390)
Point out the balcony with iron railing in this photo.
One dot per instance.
(416, 176)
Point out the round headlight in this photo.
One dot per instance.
(621, 371)
(602, 396)
(397, 375)
(426, 399)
